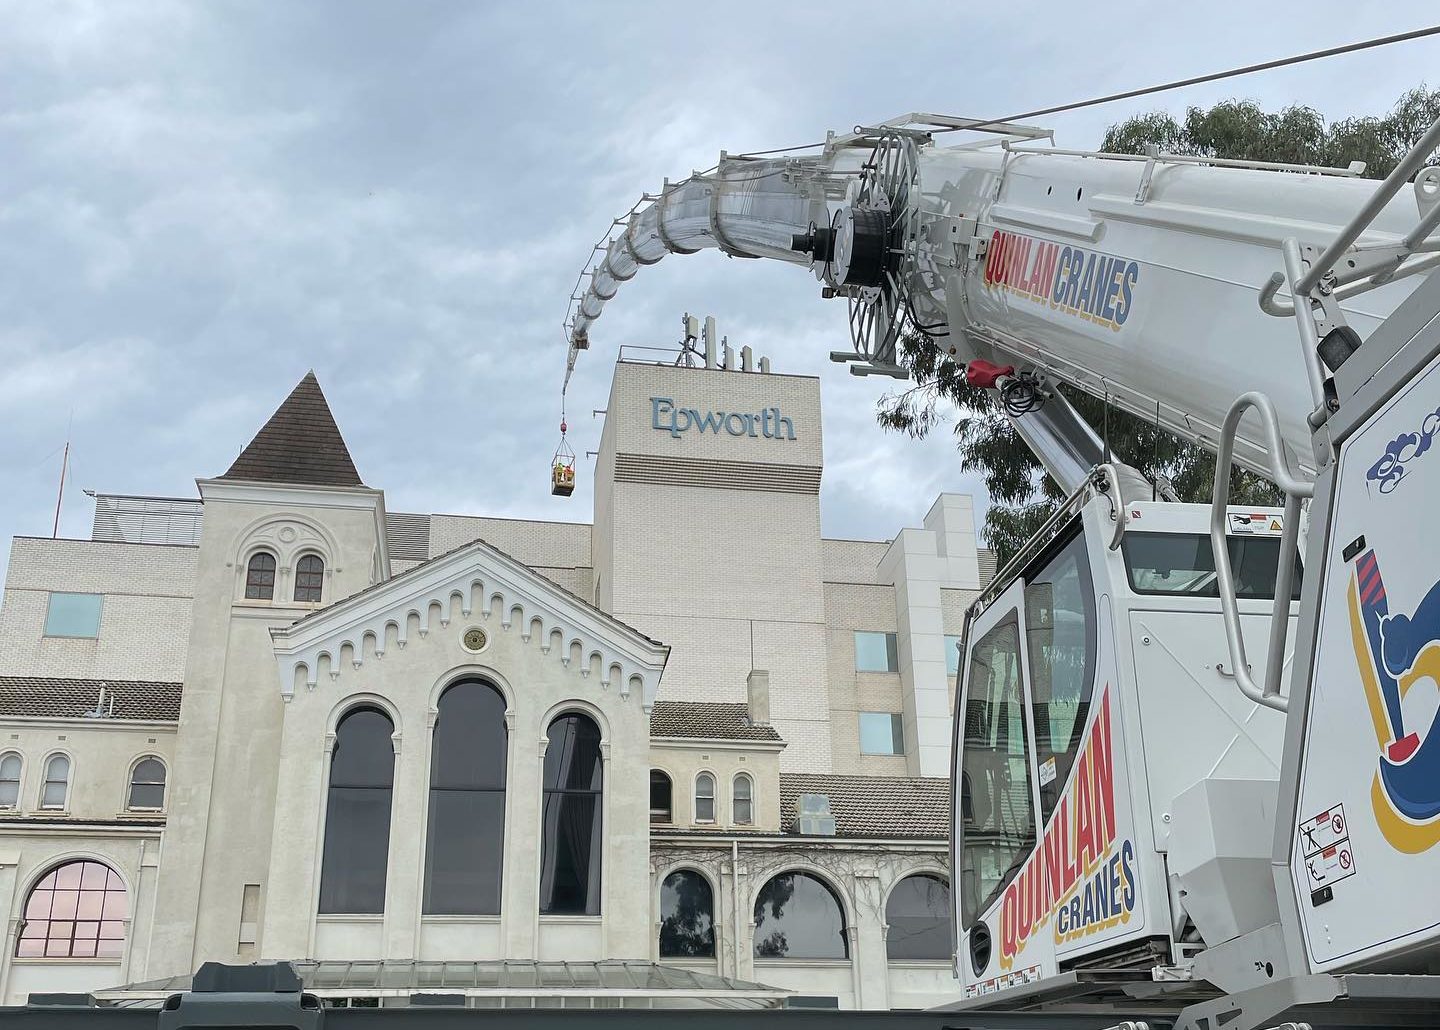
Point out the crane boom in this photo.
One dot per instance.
(1133, 279)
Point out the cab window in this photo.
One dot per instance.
(1184, 563)
(1060, 640)
(997, 813)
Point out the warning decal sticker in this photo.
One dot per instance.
(1325, 841)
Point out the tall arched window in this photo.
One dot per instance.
(147, 785)
(77, 910)
(918, 915)
(9, 780)
(797, 916)
(570, 852)
(57, 782)
(260, 577)
(357, 814)
(309, 578)
(687, 920)
(704, 798)
(742, 805)
(465, 835)
(660, 810)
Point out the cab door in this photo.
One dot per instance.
(994, 778)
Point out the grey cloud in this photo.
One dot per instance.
(199, 202)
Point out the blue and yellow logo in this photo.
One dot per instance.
(1395, 652)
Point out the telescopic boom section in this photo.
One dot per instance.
(745, 207)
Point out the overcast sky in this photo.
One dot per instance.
(201, 201)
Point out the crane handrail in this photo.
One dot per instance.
(1295, 489)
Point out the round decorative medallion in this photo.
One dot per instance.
(474, 639)
(287, 534)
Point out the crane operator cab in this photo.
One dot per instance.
(1106, 769)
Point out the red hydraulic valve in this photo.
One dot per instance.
(984, 374)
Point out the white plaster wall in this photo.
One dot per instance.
(102, 754)
(144, 617)
(684, 762)
(408, 682)
(227, 752)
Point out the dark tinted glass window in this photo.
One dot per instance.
(570, 852)
(465, 835)
(309, 578)
(1184, 563)
(659, 797)
(260, 577)
(687, 928)
(797, 916)
(357, 816)
(147, 784)
(918, 916)
(1060, 639)
(77, 910)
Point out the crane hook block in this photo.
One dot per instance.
(985, 374)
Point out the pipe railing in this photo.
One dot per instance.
(1296, 488)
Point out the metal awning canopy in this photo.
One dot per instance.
(502, 984)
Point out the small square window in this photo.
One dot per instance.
(876, 652)
(73, 615)
(882, 733)
(952, 655)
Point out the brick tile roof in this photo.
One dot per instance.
(873, 806)
(300, 444)
(706, 720)
(57, 698)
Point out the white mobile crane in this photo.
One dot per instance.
(1144, 817)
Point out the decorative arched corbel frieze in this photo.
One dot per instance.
(550, 619)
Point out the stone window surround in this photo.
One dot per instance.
(125, 806)
(64, 808)
(369, 699)
(279, 533)
(44, 869)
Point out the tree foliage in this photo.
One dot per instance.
(1021, 495)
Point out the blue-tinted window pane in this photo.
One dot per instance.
(876, 652)
(73, 615)
(952, 655)
(881, 733)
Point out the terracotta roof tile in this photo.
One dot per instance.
(873, 806)
(706, 720)
(300, 444)
(40, 697)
